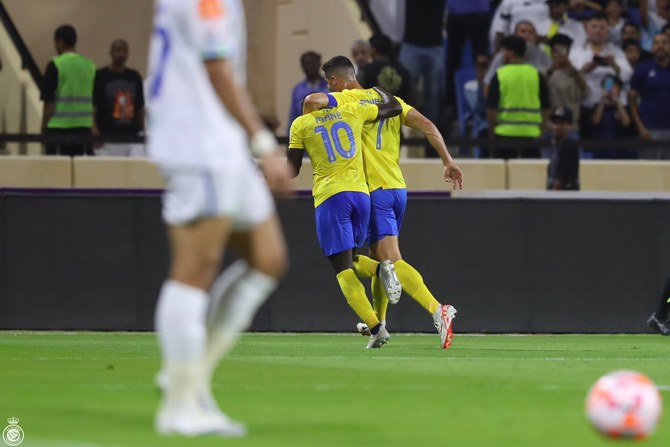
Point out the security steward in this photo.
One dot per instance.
(517, 103)
(67, 93)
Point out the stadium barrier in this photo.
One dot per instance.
(94, 259)
(420, 174)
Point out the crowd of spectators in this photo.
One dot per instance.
(606, 61)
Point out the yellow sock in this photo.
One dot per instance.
(380, 301)
(354, 292)
(412, 283)
(365, 267)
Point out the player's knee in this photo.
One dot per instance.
(201, 278)
(273, 263)
(198, 271)
(382, 253)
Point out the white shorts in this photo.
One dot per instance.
(240, 194)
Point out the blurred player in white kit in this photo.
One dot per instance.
(203, 132)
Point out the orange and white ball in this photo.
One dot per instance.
(624, 404)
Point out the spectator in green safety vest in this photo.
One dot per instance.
(67, 93)
(517, 103)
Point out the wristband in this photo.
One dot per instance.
(263, 143)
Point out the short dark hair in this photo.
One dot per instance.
(665, 27)
(338, 64)
(515, 44)
(631, 24)
(597, 15)
(381, 43)
(560, 39)
(307, 54)
(66, 34)
(630, 42)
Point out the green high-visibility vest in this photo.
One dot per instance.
(74, 94)
(519, 109)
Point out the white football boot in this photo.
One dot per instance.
(390, 281)
(379, 339)
(443, 318)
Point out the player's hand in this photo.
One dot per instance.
(454, 175)
(277, 173)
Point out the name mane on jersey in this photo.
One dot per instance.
(370, 101)
(329, 117)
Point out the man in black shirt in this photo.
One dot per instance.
(67, 92)
(118, 97)
(563, 170)
(384, 71)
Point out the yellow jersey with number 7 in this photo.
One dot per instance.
(381, 141)
(332, 139)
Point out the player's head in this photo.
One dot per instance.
(65, 38)
(119, 52)
(338, 71)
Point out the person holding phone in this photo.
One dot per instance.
(567, 86)
(597, 59)
(610, 117)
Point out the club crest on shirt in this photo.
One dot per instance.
(210, 9)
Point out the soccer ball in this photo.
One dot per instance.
(624, 404)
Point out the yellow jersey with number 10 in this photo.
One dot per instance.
(332, 139)
(381, 141)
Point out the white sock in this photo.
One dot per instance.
(180, 323)
(219, 291)
(234, 313)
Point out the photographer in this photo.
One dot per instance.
(597, 60)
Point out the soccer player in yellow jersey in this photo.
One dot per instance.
(332, 139)
(388, 193)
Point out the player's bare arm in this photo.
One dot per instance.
(389, 107)
(294, 159)
(238, 103)
(452, 173)
(314, 102)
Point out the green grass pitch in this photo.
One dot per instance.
(316, 390)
